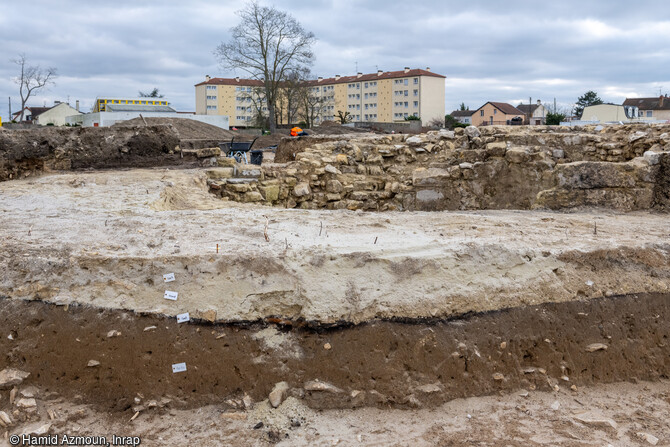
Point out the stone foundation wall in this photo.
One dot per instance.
(623, 168)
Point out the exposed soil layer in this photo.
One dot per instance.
(407, 364)
(28, 152)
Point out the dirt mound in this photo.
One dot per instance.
(25, 152)
(180, 196)
(187, 129)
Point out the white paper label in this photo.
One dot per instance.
(178, 367)
(183, 318)
(168, 277)
(170, 295)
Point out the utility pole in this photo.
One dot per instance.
(10, 109)
(530, 106)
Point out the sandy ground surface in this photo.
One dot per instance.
(106, 238)
(620, 414)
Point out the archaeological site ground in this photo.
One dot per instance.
(493, 286)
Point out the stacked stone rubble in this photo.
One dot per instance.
(487, 168)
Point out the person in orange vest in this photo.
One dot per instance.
(297, 132)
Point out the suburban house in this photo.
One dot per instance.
(536, 114)
(30, 114)
(56, 115)
(384, 97)
(463, 116)
(497, 113)
(609, 113)
(651, 108)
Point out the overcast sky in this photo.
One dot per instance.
(491, 50)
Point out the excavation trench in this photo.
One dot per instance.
(404, 364)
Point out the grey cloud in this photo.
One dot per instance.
(503, 51)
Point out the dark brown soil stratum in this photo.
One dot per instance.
(398, 363)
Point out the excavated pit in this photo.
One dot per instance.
(402, 363)
(350, 309)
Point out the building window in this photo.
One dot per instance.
(416, 103)
(211, 107)
(416, 92)
(366, 85)
(406, 105)
(481, 113)
(495, 111)
(416, 81)
(211, 87)
(406, 81)
(406, 92)
(649, 113)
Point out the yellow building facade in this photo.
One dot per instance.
(101, 103)
(385, 97)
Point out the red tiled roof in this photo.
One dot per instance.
(233, 81)
(657, 103)
(507, 109)
(375, 76)
(342, 80)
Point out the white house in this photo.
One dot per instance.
(536, 114)
(57, 115)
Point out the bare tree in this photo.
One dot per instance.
(291, 94)
(314, 106)
(256, 96)
(268, 44)
(31, 79)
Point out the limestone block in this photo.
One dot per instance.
(301, 190)
(360, 195)
(252, 196)
(226, 161)
(270, 192)
(220, 173)
(472, 132)
(332, 169)
(414, 140)
(517, 155)
(595, 174)
(496, 149)
(237, 187)
(375, 170)
(653, 158)
(334, 186)
(206, 152)
(342, 159)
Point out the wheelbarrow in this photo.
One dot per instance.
(237, 149)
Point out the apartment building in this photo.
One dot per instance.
(385, 96)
